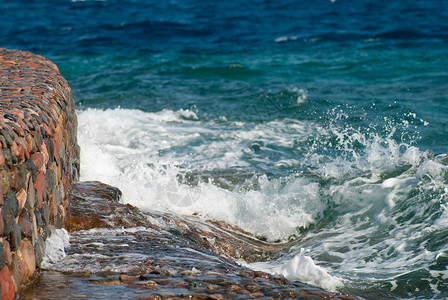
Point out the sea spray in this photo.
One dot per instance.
(150, 157)
(363, 200)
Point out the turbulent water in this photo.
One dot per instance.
(321, 122)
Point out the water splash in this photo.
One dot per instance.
(363, 199)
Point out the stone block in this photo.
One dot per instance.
(21, 198)
(31, 196)
(45, 214)
(11, 205)
(27, 261)
(15, 236)
(5, 181)
(25, 224)
(7, 251)
(39, 249)
(38, 160)
(39, 185)
(8, 292)
(15, 271)
(2, 256)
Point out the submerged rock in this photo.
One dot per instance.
(151, 255)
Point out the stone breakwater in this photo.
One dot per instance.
(39, 159)
(119, 252)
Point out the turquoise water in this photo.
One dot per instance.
(322, 122)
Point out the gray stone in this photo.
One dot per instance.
(39, 249)
(15, 237)
(39, 220)
(8, 157)
(47, 232)
(2, 257)
(11, 204)
(45, 213)
(30, 166)
(10, 211)
(50, 149)
(7, 137)
(50, 180)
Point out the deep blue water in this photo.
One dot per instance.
(341, 103)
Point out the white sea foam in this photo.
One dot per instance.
(301, 267)
(55, 246)
(302, 95)
(374, 198)
(144, 153)
(283, 39)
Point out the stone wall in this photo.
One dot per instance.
(39, 159)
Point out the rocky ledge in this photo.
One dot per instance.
(116, 251)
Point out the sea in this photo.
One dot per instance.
(318, 123)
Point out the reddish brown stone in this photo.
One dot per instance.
(15, 271)
(39, 185)
(48, 130)
(31, 143)
(27, 149)
(127, 278)
(7, 284)
(26, 227)
(252, 288)
(20, 152)
(27, 261)
(7, 250)
(39, 161)
(64, 211)
(53, 209)
(65, 183)
(21, 197)
(14, 149)
(45, 153)
(34, 220)
(234, 288)
(177, 284)
(56, 148)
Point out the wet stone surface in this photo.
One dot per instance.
(118, 252)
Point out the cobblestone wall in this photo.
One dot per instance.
(39, 159)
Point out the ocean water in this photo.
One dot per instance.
(319, 122)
